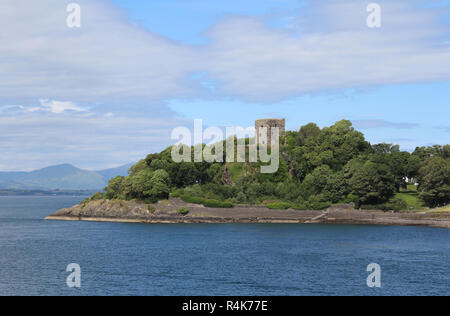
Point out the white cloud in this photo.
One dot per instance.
(86, 79)
(336, 50)
(45, 105)
(107, 58)
(59, 107)
(326, 46)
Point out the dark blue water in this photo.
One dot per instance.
(134, 259)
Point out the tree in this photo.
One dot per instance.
(390, 155)
(160, 185)
(373, 183)
(336, 189)
(336, 145)
(114, 188)
(215, 173)
(308, 132)
(316, 182)
(413, 166)
(140, 185)
(383, 148)
(434, 180)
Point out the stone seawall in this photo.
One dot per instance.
(167, 212)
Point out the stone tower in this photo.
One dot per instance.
(269, 124)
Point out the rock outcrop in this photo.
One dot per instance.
(170, 212)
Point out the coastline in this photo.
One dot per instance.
(166, 212)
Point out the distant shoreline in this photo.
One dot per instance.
(12, 192)
(166, 212)
(193, 220)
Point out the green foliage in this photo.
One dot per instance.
(413, 166)
(281, 175)
(316, 182)
(435, 181)
(95, 197)
(206, 202)
(176, 193)
(241, 198)
(160, 183)
(372, 182)
(151, 208)
(374, 207)
(192, 199)
(142, 184)
(278, 206)
(333, 146)
(319, 205)
(351, 198)
(317, 167)
(300, 207)
(308, 133)
(217, 204)
(411, 196)
(215, 173)
(184, 211)
(314, 205)
(397, 161)
(114, 188)
(397, 204)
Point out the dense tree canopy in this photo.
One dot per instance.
(317, 166)
(435, 181)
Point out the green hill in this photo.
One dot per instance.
(318, 167)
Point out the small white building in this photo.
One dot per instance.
(411, 180)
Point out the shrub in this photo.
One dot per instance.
(320, 205)
(205, 202)
(176, 193)
(219, 204)
(300, 207)
(192, 199)
(184, 211)
(150, 200)
(151, 208)
(278, 206)
(96, 196)
(241, 197)
(397, 204)
(379, 207)
(351, 198)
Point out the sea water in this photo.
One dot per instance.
(210, 259)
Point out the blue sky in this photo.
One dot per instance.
(112, 91)
(187, 20)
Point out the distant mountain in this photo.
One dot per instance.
(61, 177)
(114, 172)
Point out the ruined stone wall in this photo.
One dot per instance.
(269, 123)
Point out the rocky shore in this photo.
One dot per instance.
(168, 212)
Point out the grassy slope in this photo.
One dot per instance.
(411, 196)
(445, 209)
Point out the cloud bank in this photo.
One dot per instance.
(75, 94)
(326, 46)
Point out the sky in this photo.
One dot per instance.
(110, 92)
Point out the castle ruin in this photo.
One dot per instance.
(264, 127)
